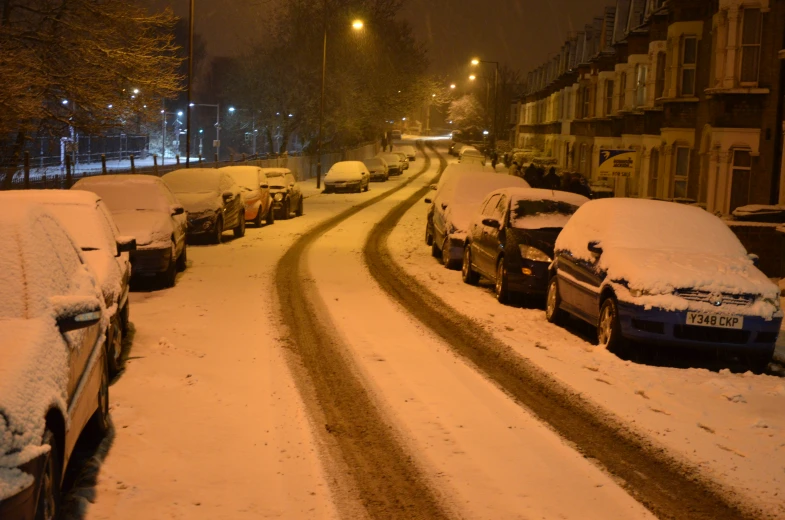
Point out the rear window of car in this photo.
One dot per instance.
(540, 214)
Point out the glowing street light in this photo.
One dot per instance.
(231, 110)
(472, 77)
(65, 101)
(475, 61)
(136, 91)
(357, 25)
(452, 86)
(180, 113)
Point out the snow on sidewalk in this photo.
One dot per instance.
(729, 425)
(485, 454)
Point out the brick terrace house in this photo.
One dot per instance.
(696, 87)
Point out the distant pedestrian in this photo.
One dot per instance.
(494, 159)
(551, 180)
(384, 142)
(515, 169)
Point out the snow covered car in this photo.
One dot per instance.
(347, 175)
(212, 199)
(396, 134)
(394, 163)
(452, 208)
(285, 191)
(404, 160)
(471, 155)
(378, 168)
(409, 151)
(143, 207)
(663, 273)
(511, 238)
(54, 380)
(85, 216)
(256, 193)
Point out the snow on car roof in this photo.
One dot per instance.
(126, 192)
(550, 215)
(193, 180)
(347, 167)
(276, 172)
(117, 179)
(454, 168)
(245, 176)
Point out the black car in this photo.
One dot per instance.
(212, 199)
(511, 239)
(286, 194)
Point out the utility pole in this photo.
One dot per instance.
(190, 77)
(321, 103)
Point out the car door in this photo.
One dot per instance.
(483, 245)
(122, 260)
(475, 231)
(294, 191)
(179, 222)
(265, 193)
(234, 208)
(579, 286)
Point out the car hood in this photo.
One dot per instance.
(33, 378)
(659, 273)
(250, 196)
(343, 177)
(149, 228)
(200, 203)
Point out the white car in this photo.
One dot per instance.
(395, 164)
(378, 168)
(54, 380)
(452, 209)
(347, 175)
(410, 151)
(144, 207)
(471, 155)
(87, 219)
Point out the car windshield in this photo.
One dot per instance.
(276, 180)
(375, 162)
(247, 179)
(540, 214)
(84, 224)
(129, 196)
(192, 182)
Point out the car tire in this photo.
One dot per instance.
(49, 498)
(428, 237)
(169, 276)
(239, 230)
(115, 364)
(469, 275)
(435, 251)
(299, 211)
(125, 317)
(368, 185)
(98, 425)
(182, 260)
(608, 327)
(501, 287)
(758, 363)
(553, 313)
(257, 222)
(285, 210)
(448, 262)
(219, 231)
(270, 220)
(327, 190)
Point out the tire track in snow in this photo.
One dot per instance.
(356, 434)
(665, 486)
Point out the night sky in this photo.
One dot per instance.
(520, 33)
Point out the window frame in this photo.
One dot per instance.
(609, 84)
(659, 78)
(681, 178)
(641, 69)
(684, 67)
(622, 89)
(654, 172)
(742, 46)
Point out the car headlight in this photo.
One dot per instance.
(534, 254)
(773, 301)
(278, 197)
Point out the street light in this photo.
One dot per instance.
(357, 25)
(452, 86)
(477, 61)
(472, 77)
(231, 109)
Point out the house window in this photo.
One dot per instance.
(640, 85)
(609, 97)
(654, 172)
(681, 173)
(659, 80)
(689, 58)
(750, 46)
(622, 89)
(741, 177)
(586, 101)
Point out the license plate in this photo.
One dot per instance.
(720, 321)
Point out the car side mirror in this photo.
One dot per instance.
(491, 222)
(428, 200)
(76, 313)
(755, 259)
(227, 196)
(177, 210)
(594, 247)
(264, 186)
(126, 244)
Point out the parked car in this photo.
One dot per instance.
(347, 175)
(452, 208)
(404, 160)
(54, 380)
(471, 155)
(455, 148)
(85, 216)
(143, 207)
(395, 165)
(378, 168)
(511, 238)
(409, 151)
(396, 134)
(212, 199)
(285, 191)
(256, 193)
(663, 273)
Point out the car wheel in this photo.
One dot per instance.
(99, 422)
(447, 260)
(49, 495)
(125, 317)
(368, 185)
(169, 276)
(327, 190)
(219, 231)
(435, 251)
(299, 212)
(270, 216)
(608, 328)
(182, 260)
(758, 363)
(114, 349)
(428, 237)
(239, 231)
(285, 210)
(258, 220)
(470, 276)
(502, 285)
(553, 312)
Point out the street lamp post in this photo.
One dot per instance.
(357, 25)
(476, 62)
(190, 76)
(217, 107)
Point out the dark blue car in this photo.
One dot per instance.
(663, 273)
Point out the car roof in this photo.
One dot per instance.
(542, 194)
(118, 179)
(81, 197)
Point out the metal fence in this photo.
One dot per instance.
(304, 167)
